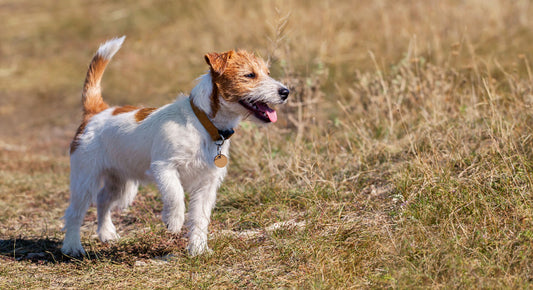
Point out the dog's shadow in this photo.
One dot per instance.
(38, 250)
(48, 251)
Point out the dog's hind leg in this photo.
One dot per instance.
(115, 192)
(82, 189)
(128, 194)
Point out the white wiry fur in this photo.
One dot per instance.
(110, 47)
(170, 147)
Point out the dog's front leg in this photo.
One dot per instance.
(201, 204)
(167, 179)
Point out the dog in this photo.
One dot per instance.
(182, 146)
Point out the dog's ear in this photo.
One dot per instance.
(218, 61)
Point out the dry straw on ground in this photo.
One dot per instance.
(403, 158)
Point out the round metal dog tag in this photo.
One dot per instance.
(221, 160)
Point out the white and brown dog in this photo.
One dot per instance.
(181, 146)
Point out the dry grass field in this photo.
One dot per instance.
(403, 159)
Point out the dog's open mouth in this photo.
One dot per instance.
(261, 110)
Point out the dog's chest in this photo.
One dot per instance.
(201, 169)
(196, 177)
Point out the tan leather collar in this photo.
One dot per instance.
(214, 132)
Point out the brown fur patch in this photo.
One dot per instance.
(143, 113)
(229, 70)
(76, 141)
(124, 109)
(215, 102)
(92, 95)
(217, 64)
(218, 61)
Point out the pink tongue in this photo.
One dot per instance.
(271, 114)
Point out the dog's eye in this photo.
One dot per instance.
(250, 75)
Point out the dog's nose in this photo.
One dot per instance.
(284, 93)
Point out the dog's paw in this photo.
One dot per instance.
(174, 228)
(108, 236)
(174, 224)
(198, 247)
(73, 251)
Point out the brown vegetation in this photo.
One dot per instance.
(404, 157)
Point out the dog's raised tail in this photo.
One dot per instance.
(91, 96)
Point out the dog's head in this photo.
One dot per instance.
(243, 81)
